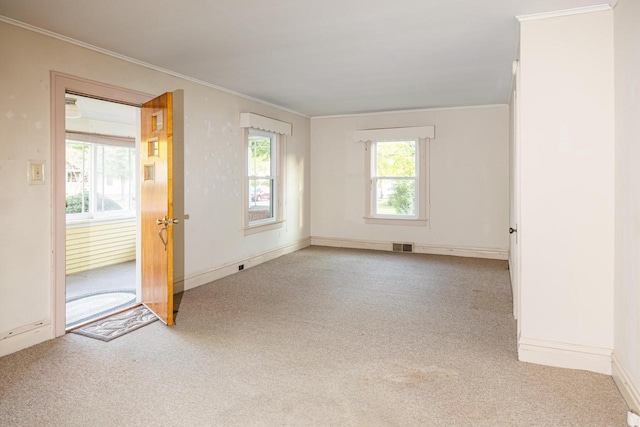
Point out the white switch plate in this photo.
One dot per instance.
(35, 172)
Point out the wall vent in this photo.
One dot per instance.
(403, 247)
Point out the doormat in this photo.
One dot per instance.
(94, 305)
(117, 325)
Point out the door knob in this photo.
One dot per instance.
(167, 221)
(512, 230)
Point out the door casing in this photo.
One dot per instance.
(61, 84)
(514, 214)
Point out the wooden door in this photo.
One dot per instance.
(157, 206)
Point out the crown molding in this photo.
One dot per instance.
(565, 12)
(141, 63)
(419, 110)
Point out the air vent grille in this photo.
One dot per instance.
(403, 247)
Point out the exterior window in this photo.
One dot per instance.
(264, 193)
(394, 179)
(396, 172)
(262, 177)
(100, 180)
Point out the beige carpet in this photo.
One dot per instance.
(321, 337)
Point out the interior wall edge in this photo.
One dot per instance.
(194, 280)
(25, 339)
(107, 52)
(629, 391)
(377, 245)
(413, 110)
(565, 12)
(565, 355)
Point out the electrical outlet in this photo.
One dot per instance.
(35, 172)
(241, 267)
(633, 419)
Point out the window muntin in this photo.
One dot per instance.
(100, 180)
(394, 179)
(262, 177)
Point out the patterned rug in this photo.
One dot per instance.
(117, 325)
(90, 306)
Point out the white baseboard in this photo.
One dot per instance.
(628, 389)
(194, 280)
(335, 242)
(502, 254)
(565, 355)
(26, 336)
(462, 251)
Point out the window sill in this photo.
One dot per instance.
(417, 222)
(253, 229)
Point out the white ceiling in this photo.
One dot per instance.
(103, 117)
(316, 57)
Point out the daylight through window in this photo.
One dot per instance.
(394, 179)
(262, 176)
(396, 174)
(100, 180)
(264, 182)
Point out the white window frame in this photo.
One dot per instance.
(274, 177)
(94, 141)
(422, 136)
(277, 130)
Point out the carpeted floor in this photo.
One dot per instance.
(316, 338)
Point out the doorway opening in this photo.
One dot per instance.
(101, 208)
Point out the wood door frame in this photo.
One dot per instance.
(61, 84)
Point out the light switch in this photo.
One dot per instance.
(35, 172)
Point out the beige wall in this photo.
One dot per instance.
(627, 265)
(468, 182)
(213, 157)
(566, 152)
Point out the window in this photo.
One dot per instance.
(264, 172)
(396, 172)
(262, 177)
(100, 178)
(394, 183)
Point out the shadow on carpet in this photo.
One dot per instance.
(117, 325)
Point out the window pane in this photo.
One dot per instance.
(116, 186)
(259, 155)
(77, 187)
(100, 178)
(395, 197)
(396, 158)
(260, 199)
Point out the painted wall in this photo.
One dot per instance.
(213, 158)
(468, 183)
(567, 190)
(627, 267)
